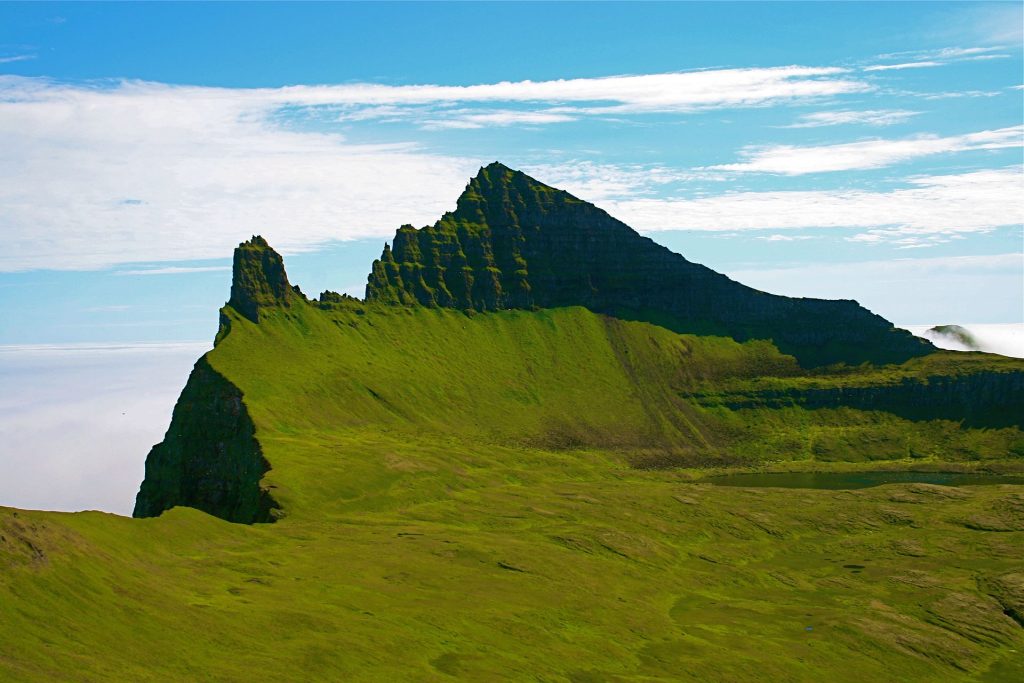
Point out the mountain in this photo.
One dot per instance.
(552, 378)
(513, 242)
(370, 490)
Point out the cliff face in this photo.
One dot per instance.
(981, 399)
(513, 242)
(210, 458)
(258, 279)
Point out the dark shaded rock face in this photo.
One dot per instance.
(209, 458)
(258, 279)
(513, 242)
(982, 399)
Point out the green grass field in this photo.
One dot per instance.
(511, 496)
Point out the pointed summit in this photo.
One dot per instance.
(514, 242)
(258, 279)
(497, 189)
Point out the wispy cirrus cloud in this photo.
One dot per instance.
(794, 160)
(942, 206)
(217, 164)
(16, 58)
(942, 53)
(932, 58)
(786, 238)
(675, 91)
(904, 65)
(870, 117)
(510, 117)
(173, 270)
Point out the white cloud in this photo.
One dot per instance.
(932, 58)
(467, 120)
(16, 58)
(786, 238)
(958, 94)
(679, 91)
(870, 117)
(77, 421)
(599, 183)
(942, 53)
(904, 65)
(949, 204)
(985, 58)
(173, 270)
(1006, 339)
(953, 52)
(865, 154)
(207, 167)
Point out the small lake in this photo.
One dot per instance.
(857, 480)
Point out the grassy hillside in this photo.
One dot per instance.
(511, 564)
(498, 497)
(559, 380)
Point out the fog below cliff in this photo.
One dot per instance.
(76, 422)
(1006, 339)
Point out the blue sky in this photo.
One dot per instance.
(868, 151)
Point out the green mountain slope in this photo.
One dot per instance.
(514, 495)
(554, 379)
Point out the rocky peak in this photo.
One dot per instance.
(499, 197)
(258, 279)
(514, 242)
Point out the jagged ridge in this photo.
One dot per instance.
(513, 242)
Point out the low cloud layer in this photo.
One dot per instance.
(77, 422)
(1006, 339)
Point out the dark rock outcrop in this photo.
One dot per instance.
(513, 242)
(258, 279)
(980, 399)
(209, 458)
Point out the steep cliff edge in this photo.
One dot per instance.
(210, 458)
(513, 242)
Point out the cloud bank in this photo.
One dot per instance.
(95, 175)
(98, 175)
(76, 422)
